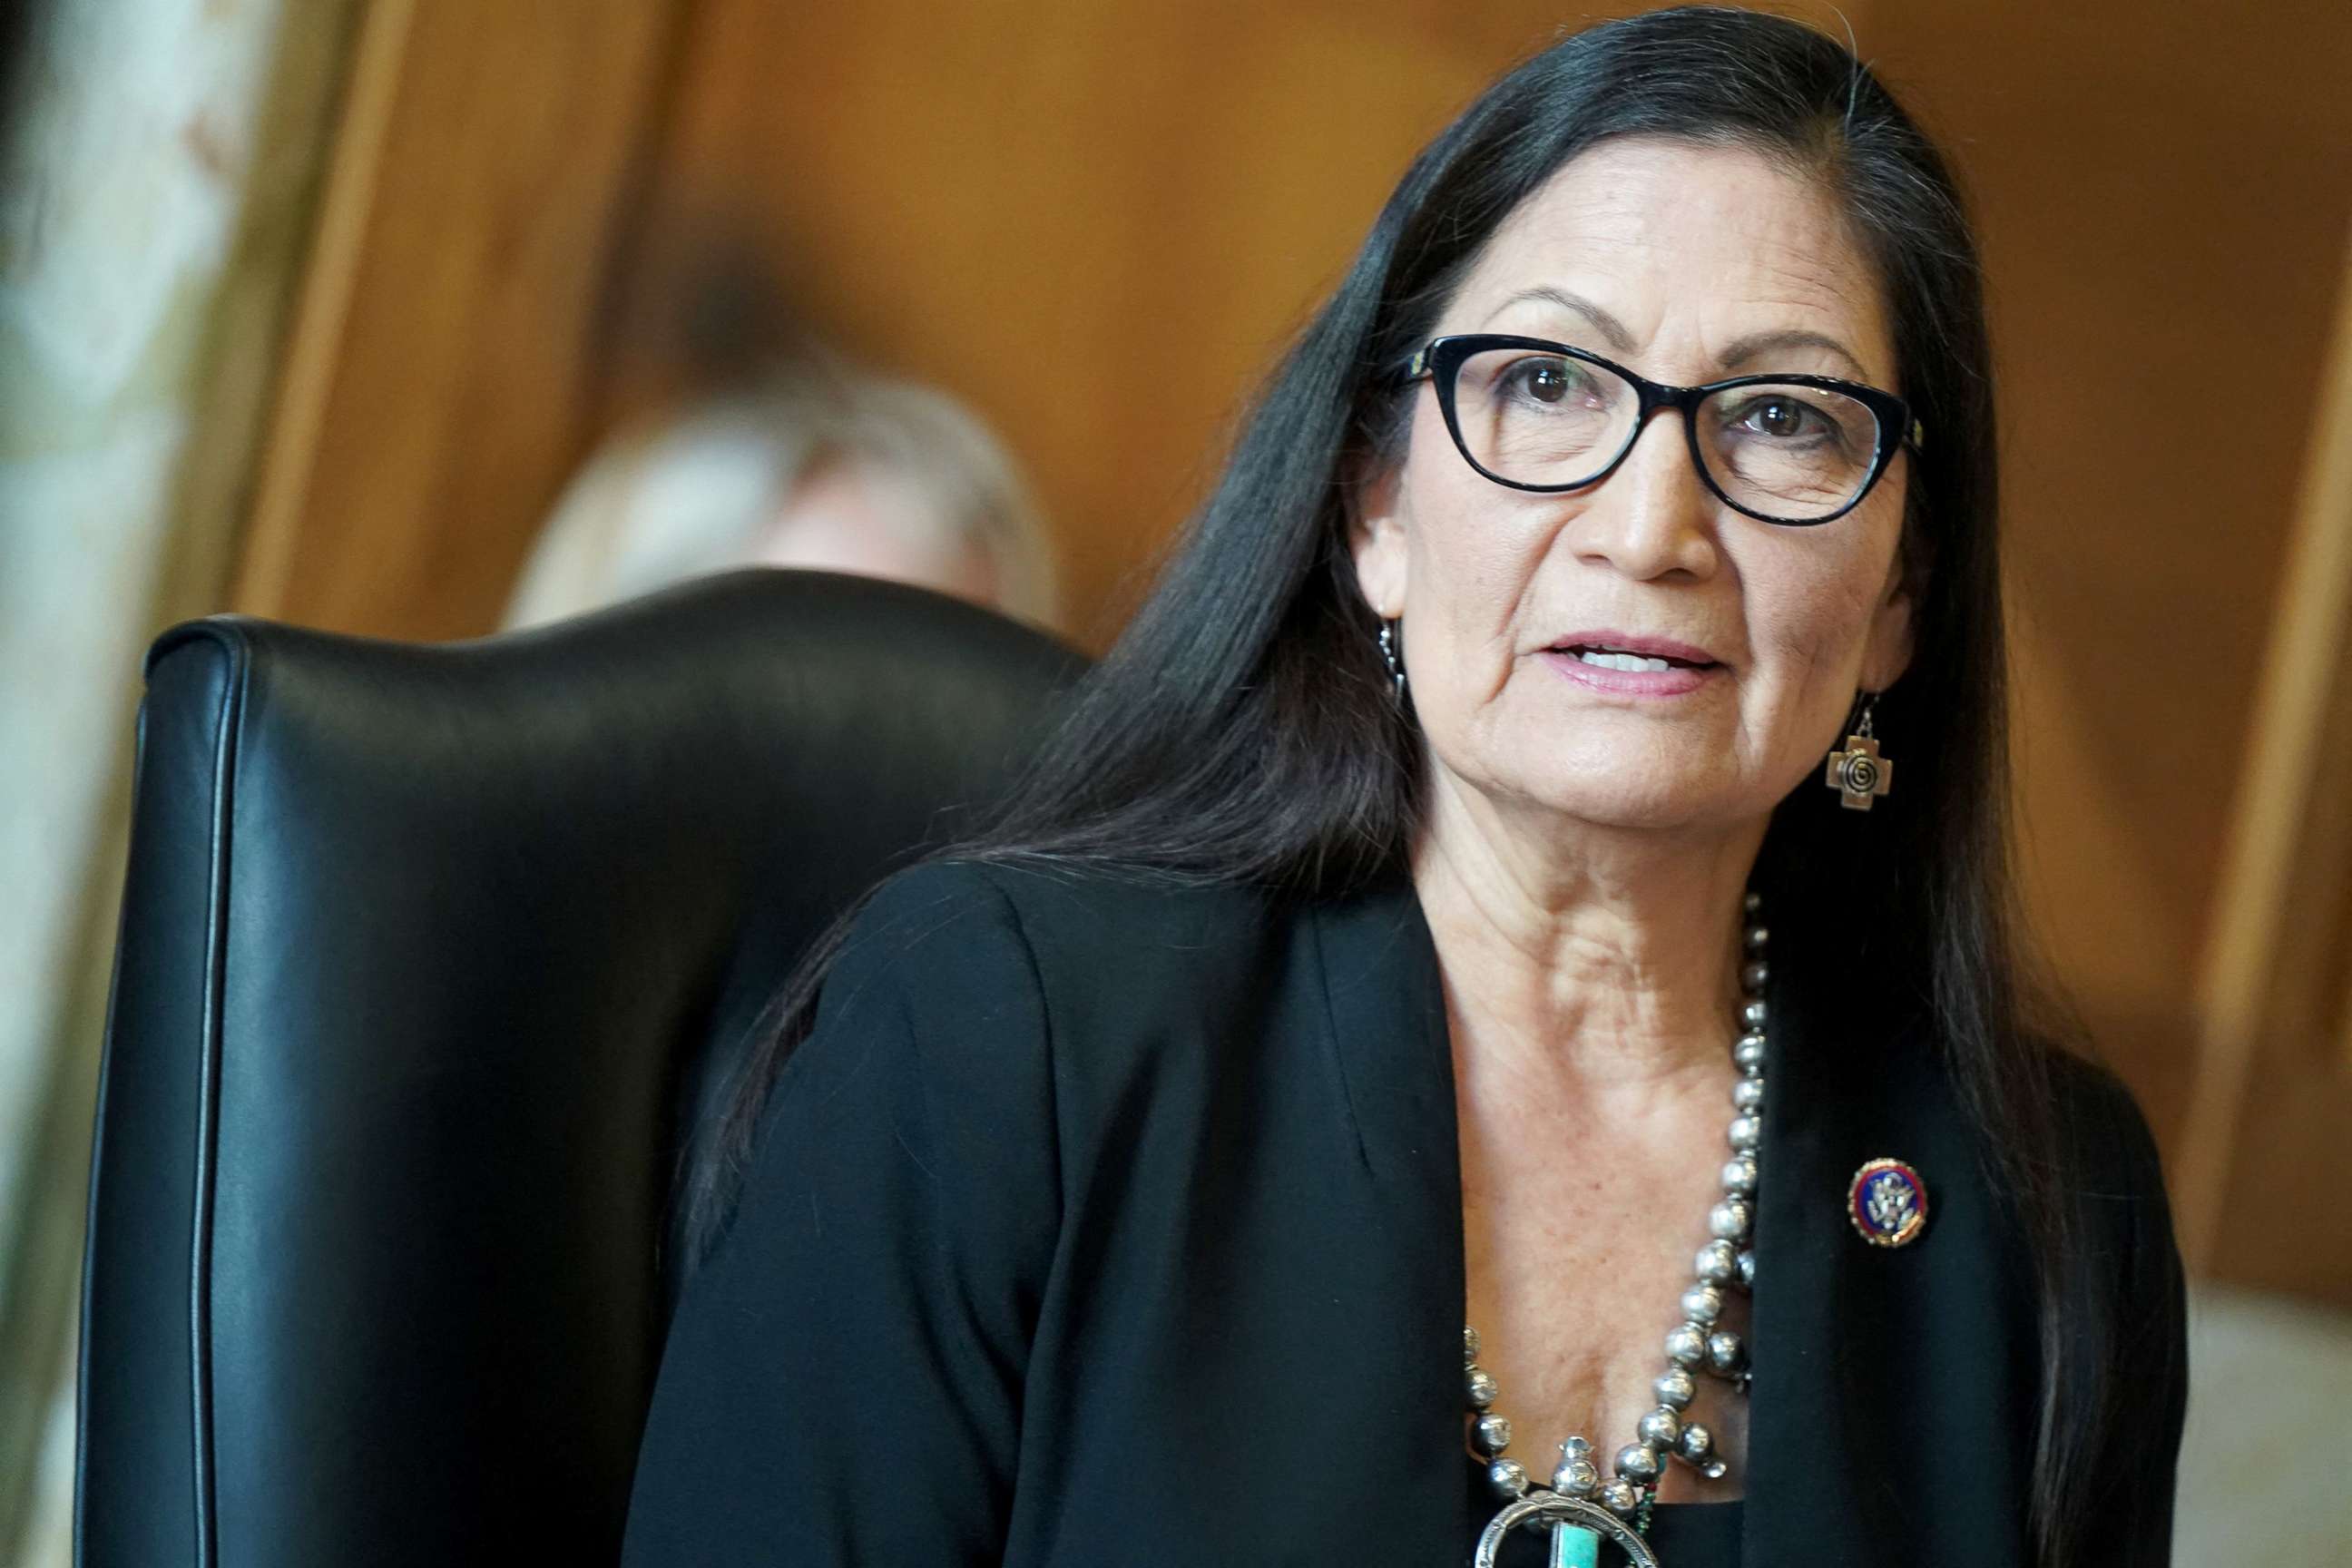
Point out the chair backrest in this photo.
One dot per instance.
(431, 960)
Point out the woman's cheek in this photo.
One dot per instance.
(1816, 618)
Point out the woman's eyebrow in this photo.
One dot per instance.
(1738, 353)
(1741, 350)
(1610, 326)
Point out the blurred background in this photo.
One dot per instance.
(400, 317)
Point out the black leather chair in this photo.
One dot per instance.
(431, 958)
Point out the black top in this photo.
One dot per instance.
(1683, 1535)
(1099, 1222)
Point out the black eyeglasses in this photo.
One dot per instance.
(1540, 416)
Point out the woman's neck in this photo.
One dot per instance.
(1579, 957)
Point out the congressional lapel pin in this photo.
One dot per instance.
(1887, 1202)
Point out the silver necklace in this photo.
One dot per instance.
(1581, 1509)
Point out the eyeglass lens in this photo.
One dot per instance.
(1784, 451)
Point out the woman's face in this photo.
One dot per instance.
(1685, 264)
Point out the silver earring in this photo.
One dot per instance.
(1859, 773)
(1388, 656)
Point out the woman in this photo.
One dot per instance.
(1431, 891)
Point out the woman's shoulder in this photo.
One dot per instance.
(2111, 1193)
(1063, 924)
(1120, 988)
(2103, 1130)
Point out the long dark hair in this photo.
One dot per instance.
(1241, 730)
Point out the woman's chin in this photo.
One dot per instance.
(1647, 804)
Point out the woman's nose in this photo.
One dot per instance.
(1653, 516)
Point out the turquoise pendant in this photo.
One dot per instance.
(1573, 1546)
(1578, 1528)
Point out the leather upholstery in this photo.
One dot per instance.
(428, 954)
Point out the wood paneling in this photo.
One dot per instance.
(438, 389)
(2274, 1075)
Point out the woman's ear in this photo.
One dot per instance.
(1887, 654)
(1376, 540)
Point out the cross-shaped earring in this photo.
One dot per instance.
(1859, 773)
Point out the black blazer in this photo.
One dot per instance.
(1100, 1223)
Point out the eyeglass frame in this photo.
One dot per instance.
(1440, 360)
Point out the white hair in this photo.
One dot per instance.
(693, 495)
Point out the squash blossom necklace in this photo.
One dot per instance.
(1580, 1508)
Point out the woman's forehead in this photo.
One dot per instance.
(1651, 247)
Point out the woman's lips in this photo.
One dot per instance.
(1675, 680)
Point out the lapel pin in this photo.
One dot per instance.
(1887, 1202)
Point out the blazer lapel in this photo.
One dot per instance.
(1891, 1383)
(1394, 1065)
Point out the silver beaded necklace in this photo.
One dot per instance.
(1580, 1508)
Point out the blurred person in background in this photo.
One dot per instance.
(818, 465)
